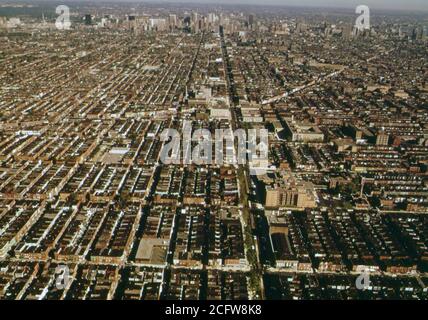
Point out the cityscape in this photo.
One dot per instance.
(185, 151)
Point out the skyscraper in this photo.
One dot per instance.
(251, 19)
(173, 20)
(3, 22)
(88, 19)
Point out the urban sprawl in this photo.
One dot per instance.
(89, 211)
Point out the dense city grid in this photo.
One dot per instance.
(83, 188)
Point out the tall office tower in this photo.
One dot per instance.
(194, 22)
(88, 19)
(211, 21)
(417, 33)
(221, 19)
(158, 24)
(347, 32)
(187, 21)
(3, 22)
(301, 27)
(251, 20)
(195, 17)
(173, 20)
(211, 18)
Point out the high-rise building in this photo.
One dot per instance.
(3, 22)
(347, 32)
(88, 19)
(301, 27)
(158, 24)
(195, 17)
(187, 21)
(173, 20)
(212, 18)
(251, 19)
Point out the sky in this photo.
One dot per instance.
(375, 4)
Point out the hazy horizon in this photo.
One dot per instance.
(410, 5)
(375, 4)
